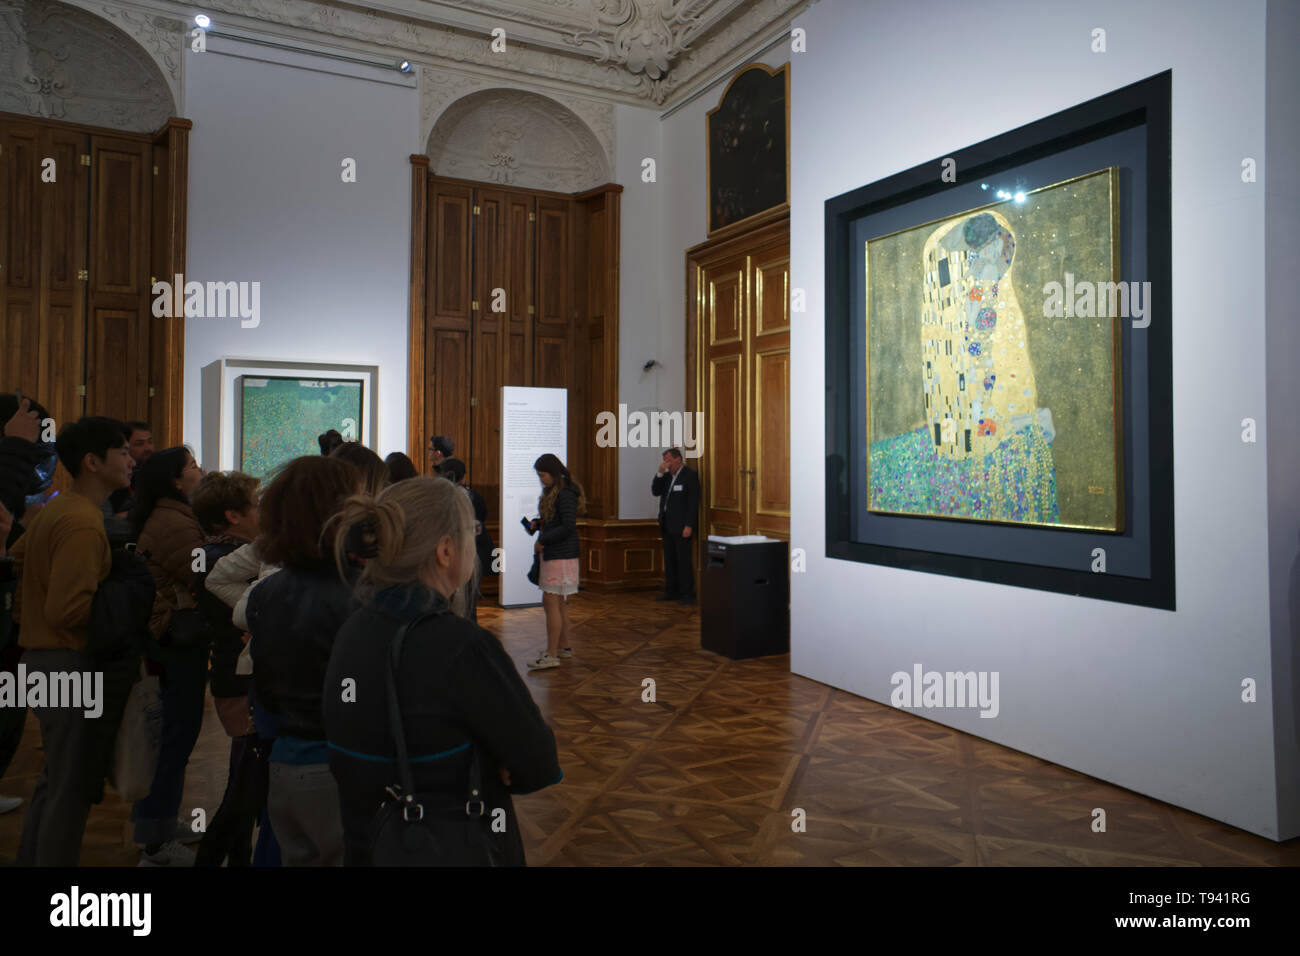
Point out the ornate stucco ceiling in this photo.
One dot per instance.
(650, 52)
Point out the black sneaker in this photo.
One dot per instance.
(686, 601)
(666, 597)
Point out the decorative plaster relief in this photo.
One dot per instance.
(516, 138)
(61, 62)
(440, 88)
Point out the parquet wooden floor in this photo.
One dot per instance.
(709, 773)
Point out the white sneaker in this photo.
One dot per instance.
(544, 662)
(170, 853)
(184, 834)
(10, 803)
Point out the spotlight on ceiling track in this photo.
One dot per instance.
(202, 21)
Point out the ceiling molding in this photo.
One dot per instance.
(640, 52)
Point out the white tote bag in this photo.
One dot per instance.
(139, 739)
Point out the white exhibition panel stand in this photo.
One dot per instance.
(534, 421)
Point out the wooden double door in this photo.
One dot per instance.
(738, 344)
(87, 218)
(512, 287)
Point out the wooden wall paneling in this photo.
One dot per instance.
(482, 455)
(594, 341)
(768, 356)
(450, 253)
(737, 346)
(724, 283)
(118, 298)
(20, 244)
(166, 413)
(157, 415)
(581, 416)
(621, 555)
(601, 214)
(417, 331)
(610, 378)
(553, 262)
(516, 278)
(447, 382)
(62, 259)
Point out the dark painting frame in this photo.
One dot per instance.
(749, 180)
(1050, 560)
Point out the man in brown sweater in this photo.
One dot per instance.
(60, 561)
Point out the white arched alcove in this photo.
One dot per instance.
(517, 138)
(60, 62)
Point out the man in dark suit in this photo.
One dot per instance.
(678, 490)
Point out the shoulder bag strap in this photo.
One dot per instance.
(410, 809)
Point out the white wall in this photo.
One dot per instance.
(1282, 223)
(1147, 699)
(645, 320)
(267, 203)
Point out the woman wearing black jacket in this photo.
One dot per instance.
(294, 616)
(559, 506)
(458, 690)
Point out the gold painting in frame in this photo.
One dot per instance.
(993, 361)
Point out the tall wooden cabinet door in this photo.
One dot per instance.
(516, 281)
(767, 505)
(723, 290)
(20, 256)
(449, 317)
(482, 456)
(552, 339)
(118, 306)
(63, 261)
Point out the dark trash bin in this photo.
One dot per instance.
(745, 598)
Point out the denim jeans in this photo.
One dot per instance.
(184, 683)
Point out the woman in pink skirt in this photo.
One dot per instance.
(559, 506)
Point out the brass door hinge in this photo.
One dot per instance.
(532, 217)
(81, 390)
(85, 159)
(474, 306)
(152, 391)
(530, 310)
(83, 274)
(473, 402)
(477, 210)
(155, 170)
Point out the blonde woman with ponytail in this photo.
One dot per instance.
(458, 690)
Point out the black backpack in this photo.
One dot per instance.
(123, 604)
(118, 635)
